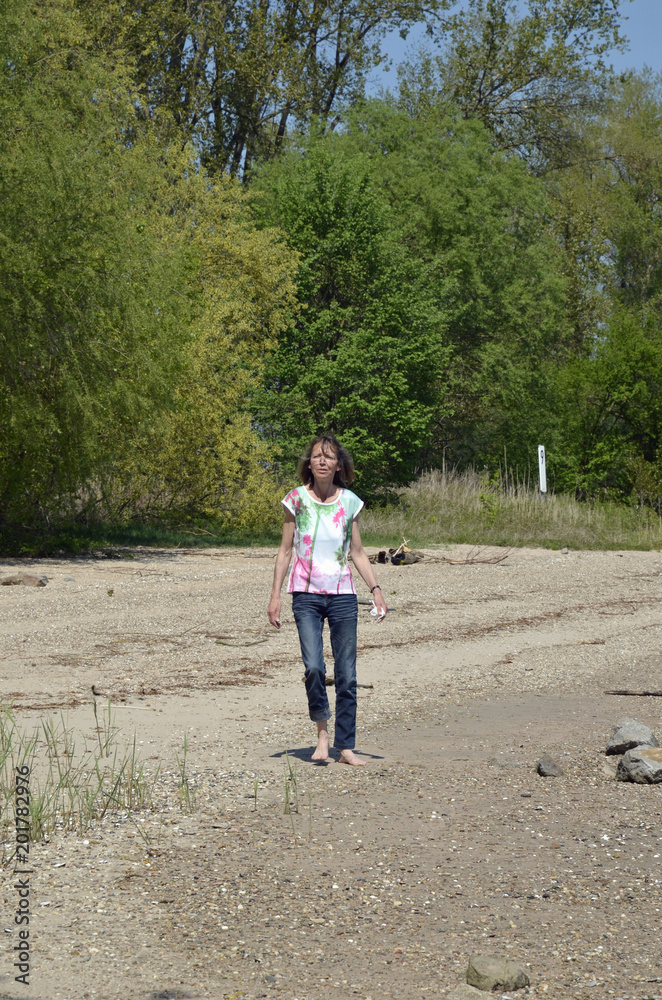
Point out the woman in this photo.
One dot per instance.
(320, 523)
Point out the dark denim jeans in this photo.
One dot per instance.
(341, 612)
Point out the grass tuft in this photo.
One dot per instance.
(186, 789)
(73, 788)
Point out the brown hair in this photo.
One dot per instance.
(343, 477)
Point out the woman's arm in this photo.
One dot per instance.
(281, 567)
(363, 565)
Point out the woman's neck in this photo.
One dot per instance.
(324, 490)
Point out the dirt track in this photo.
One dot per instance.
(389, 876)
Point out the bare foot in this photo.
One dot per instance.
(349, 757)
(322, 751)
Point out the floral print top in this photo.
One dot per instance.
(322, 536)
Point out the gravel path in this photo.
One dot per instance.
(388, 877)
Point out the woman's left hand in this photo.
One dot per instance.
(380, 604)
(362, 564)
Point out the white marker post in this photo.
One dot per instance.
(541, 468)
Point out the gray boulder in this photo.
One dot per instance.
(464, 992)
(548, 768)
(642, 765)
(628, 734)
(488, 972)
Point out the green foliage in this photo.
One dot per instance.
(450, 276)
(94, 299)
(202, 458)
(530, 72)
(477, 223)
(630, 183)
(365, 356)
(610, 422)
(234, 77)
(606, 421)
(137, 303)
(431, 296)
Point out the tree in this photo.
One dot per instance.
(608, 222)
(233, 77)
(631, 185)
(202, 458)
(364, 359)
(476, 225)
(93, 298)
(137, 299)
(431, 293)
(606, 429)
(530, 78)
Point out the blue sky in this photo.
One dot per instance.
(643, 29)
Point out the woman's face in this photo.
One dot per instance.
(324, 463)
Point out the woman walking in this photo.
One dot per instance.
(321, 526)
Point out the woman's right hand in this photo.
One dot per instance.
(280, 569)
(273, 611)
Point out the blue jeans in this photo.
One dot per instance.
(341, 612)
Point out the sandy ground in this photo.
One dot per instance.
(389, 876)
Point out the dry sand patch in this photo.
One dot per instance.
(388, 878)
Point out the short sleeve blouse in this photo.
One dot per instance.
(322, 537)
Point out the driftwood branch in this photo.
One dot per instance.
(476, 556)
(638, 694)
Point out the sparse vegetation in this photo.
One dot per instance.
(186, 790)
(73, 786)
(456, 507)
(291, 788)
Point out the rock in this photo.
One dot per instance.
(488, 972)
(548, 768)
(628, 734)
(564, 550)
(464, 992)
(609, 768)
(25, 580)
(642, 765)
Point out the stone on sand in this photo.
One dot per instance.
(464, 992)
(24, 580)
(642, 765)
(489, 972)
(628, 734)
(548, 768)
